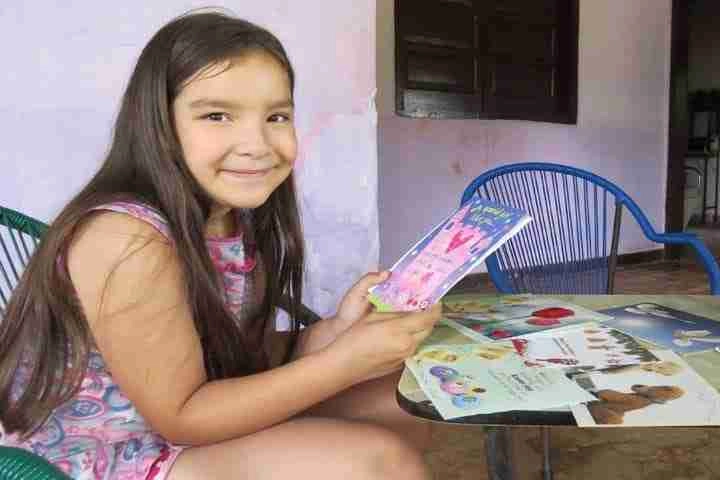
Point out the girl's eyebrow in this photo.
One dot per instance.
(213, 102)
(286, 103)
(230, 105)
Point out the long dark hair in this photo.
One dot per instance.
(44, 327)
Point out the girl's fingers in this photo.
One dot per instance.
(385, 317)
(421, 335)
(419, 321)
(360, 289)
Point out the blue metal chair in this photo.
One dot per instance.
(571, 246)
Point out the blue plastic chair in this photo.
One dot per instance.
(571, 246)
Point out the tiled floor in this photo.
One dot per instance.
(593, 454)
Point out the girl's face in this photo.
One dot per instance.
(236, 130)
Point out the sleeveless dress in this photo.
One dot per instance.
(98, 434)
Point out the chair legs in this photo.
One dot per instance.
(498, 448)
(547, 464)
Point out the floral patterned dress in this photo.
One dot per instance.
(99, 434)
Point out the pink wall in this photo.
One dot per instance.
(62, 83)
(621, 133)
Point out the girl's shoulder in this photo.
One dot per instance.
(140, 211)
(110, 231)
(127, 242)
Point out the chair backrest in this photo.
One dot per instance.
(19, 236)
(19, 464)
(572, 243)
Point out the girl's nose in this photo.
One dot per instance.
(251, 141)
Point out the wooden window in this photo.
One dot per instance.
(509, 59)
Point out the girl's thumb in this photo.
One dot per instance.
(369, 280)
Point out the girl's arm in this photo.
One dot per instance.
(129, 283)
(316, 337)
(310, 340)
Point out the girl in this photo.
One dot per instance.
(137, 345)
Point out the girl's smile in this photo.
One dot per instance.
(246, 174)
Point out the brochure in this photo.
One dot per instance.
(471, 379)
(508, 318)
(667, 393)
(593, 347)
(445, 255)
(679, 331)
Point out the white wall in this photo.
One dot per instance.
(621, 133)
(66, 64)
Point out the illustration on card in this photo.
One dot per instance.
(680, 331)
(470, 379)
(667, 392)
(535, 314)
(490, 310)
(593, 347)
(452, 354)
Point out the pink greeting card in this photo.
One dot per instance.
(446, 254)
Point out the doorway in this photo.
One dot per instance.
(693, 186)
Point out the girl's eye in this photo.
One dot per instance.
(279, 118)
(218, 117)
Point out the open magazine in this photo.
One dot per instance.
(445, 255)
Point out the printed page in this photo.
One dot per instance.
(523, 317)
(593, 347)
(471, 379)
(679, 331)
(664, 393)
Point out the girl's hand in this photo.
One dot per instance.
(378, 343)
(355, 304)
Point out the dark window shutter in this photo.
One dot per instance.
(436, 59)
(514, 59)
